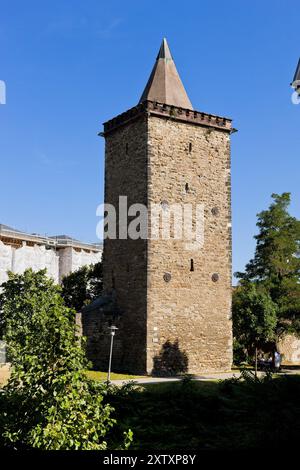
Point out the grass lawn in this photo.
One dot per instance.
(206, 387)
(209, 415)
(95, 375)
(100, 376)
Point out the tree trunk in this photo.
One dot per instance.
(256, 362)
(273, 360)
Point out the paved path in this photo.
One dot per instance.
(4, 374)
(200, 378)
(156, 380)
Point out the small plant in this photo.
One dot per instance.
(187, 380)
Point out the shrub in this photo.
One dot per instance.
(48, 402)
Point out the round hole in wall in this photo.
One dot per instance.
(167, 277)
(215, 277)
(215, 211)
(164, 205)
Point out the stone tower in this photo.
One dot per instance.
(174, 302)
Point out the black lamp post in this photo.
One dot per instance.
(112, 334)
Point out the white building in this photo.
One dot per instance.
(60, 255)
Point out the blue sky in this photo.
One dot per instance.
(69, 65)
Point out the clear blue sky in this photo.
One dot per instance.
(69, 65)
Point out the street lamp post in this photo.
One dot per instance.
(112, 334)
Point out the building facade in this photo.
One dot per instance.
(173, 302)
(60, 255)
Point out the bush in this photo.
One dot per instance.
(82, 286)
(48, 402)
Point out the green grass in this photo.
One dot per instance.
(100, 376)
(228, 414)
(206, 387)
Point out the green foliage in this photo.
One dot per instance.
(82, 286)
(271, 280)
(254, 316)
(278, 244)
(48, 402)
(240, 353)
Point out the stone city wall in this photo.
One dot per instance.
(289, 347)
(71, 259)
(57, 262)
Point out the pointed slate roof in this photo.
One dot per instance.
(164, 84)
(297, 73)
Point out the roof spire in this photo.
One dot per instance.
(297, 76)
(164, 84)
(164, 51)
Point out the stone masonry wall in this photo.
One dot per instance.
(125, 261)
(95, 327)
(289, 347)
(191, 311)
(150, 160)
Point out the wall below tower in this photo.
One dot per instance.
(71, 259)
(289, 347)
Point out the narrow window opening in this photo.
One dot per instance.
(106, 225)
(126, 149)
(192, 265)
(190, 147)
(113, 282)
(187, 187)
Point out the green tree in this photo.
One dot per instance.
(275, 267)
(82, 286)
(48, 402)
(278, 244)
(254, 316)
